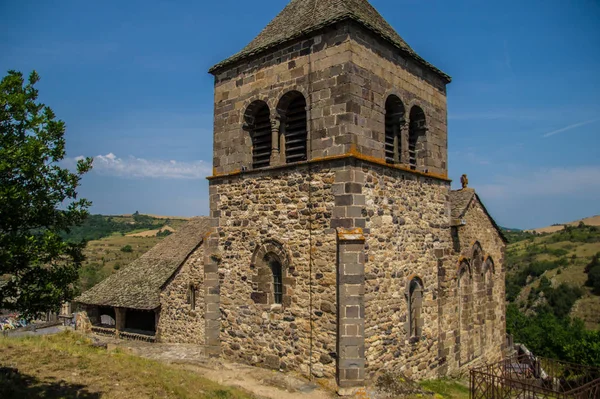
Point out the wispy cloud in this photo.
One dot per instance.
(575, 181)
(570, 127)
(507, 59)
(136, 168)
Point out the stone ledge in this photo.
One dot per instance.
(350, 234)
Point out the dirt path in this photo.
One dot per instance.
(260, 382)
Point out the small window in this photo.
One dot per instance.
(192, 297)
(415, 304)
(277, 281)
(394, 120)
(416, 138)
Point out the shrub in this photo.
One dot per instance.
(127, 248)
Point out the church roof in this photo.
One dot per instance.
(460, 201)
(301, 17)
(138, 285)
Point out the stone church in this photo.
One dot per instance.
(335, 245)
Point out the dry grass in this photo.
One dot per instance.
(67, 366)
(591, 221)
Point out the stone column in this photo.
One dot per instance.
(351, 310)
(404, 132)
(120, 319)
(275, 125)
(212, 316)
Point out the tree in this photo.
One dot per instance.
(38, 203)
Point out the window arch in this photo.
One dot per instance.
(464, 311)
(479, 300)
(394, 121)
(273, 279)
(294, 127)
(415, 305)
(489, 271)
(417, 138)
(257, 120)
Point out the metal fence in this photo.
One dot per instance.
(529, 377)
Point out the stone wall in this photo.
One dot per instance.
(487, 283)
(289, 209)
(407, 221)
(178, 322)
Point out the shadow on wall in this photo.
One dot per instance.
(14, 384)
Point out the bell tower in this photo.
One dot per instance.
(330, 149)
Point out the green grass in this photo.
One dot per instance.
(68, 366)
(447, 388)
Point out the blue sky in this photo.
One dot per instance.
(130, 79)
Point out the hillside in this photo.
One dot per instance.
(116, 241)
(591, 221)
(550, 272)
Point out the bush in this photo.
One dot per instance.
(127, 248)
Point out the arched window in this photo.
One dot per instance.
(489, 271)
(272, 279)
(479, 300)
(276, 269)
(292, 108)
(394, 120)
(464, 312)
(416, 138)
(258, 123)
(415, 305)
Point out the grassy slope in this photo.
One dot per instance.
(588, 307)
(67, 366)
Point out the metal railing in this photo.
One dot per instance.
(529, 377)
(112, 332)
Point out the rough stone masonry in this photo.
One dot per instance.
(336, 245)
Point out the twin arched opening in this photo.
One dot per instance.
(280, 138)
(404, 146)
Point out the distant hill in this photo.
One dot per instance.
(591, 221)
(551, 271)
(116, 241)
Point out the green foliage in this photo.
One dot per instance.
(97, 226)
(38, 202)
(517, 235)
(127, 249)
(581, 233)
(164, 233)
(593, 272)
(550, 336)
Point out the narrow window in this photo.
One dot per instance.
(394, 120)
(258, 122)
(277, 281)
(416, 138)
(192, 296)
(415, 303)
(292, 107)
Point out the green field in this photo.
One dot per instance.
(112, 244)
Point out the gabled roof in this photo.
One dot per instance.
(138, 285)
(301, 17)
(460, 201)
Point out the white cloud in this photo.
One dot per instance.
(575, 181)
(132, 167)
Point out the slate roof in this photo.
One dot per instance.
(301, 17)
(138, 285)
(460, 201)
